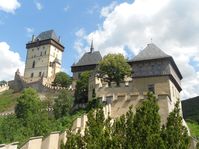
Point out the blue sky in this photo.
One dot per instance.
(65, 17)
(116, 26)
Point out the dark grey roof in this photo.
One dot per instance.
(89, 58)
(47, 35)
(150, 52)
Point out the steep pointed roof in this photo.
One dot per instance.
(89, 58)
(50, 34)
(150, 52)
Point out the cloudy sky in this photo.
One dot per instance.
(116, 26)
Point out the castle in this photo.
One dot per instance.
(153, 70)
(43, 61)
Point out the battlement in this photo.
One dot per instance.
(4, 87)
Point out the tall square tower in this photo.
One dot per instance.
(44, 55)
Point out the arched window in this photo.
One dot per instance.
(33, 64)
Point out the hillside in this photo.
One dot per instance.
(190, 108)
(8, 100)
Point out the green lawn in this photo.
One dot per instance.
(194, 128)
(8, 100)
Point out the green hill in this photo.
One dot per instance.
(8, 100)
(190, 108)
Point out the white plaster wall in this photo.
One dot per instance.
(4, 88)
(51, 142)
(33, 143)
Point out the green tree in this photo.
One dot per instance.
(114, 67)
(63, 104)
(94, 133)
(28, 104)
(174, 134)
(11, 130)
(146, 125)
(30, 113)
(119, 139)
(81, 92)
(130, 128)
(2, 82)
(74, 141)
(62, 79)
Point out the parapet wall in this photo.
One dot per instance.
(41, 85)
(4, 87)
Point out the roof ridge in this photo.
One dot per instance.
(151, 51)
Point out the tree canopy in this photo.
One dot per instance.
(114, 67)
(81, 92)
(62, 79)
(63, 104)
(141, 130)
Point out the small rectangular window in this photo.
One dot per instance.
(32, 75)
(151, 88)
(39, 74)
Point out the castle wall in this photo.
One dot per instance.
(51, 142)
(4, 87)
(33, 143)
(9, 146)
(134, 92)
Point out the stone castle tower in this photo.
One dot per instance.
(44, 55)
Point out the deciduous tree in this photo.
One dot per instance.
(114, 67)
(63, 104)
(62, 79)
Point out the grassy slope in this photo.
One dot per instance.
(8, 100)
(194, 128)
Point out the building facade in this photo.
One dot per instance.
(87, 62)
(44, 56)
(154, 71)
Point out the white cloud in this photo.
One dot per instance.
(106, 10)
(38, 5)
(173, 25)
(9, 6)
(10, 61)
(66, 8)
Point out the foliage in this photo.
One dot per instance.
(28, 104)
(141, 130)
(194, 128)
(8, 100)
(2, 82)
(11, 130)
(114, 67)
(32, 119)
(63, 104)
(190, 108)
(175, 135)
(93, 104)
(81, 92)
(147, 113)
(62, 79)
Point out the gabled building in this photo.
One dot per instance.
(154, 71)
(87, 62)
(44, 56)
